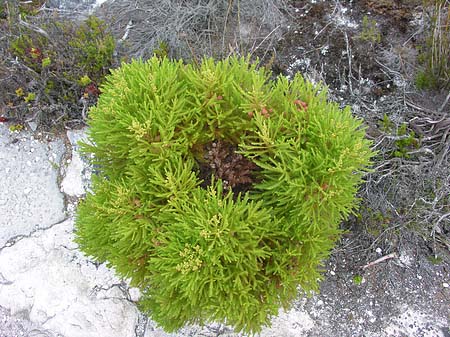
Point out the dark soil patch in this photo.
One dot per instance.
(372, 68)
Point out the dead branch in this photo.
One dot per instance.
(33, 27)
(381, 259)
(349, 57)
(444, 103)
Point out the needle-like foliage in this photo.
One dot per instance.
(217, 253)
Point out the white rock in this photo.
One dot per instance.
(293, 323)
(55, 285)
(33, 126)
(73, 183)
(135, 294)
(415, 324)
(406, 259)
(30, 186)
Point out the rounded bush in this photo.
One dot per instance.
(219, 191)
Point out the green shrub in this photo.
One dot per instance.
(219, 192)
(58, 59)
(74, 48)
(94, 46)
(370, 32)
(357, 279)
(407, 144)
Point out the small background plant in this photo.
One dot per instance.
(435, 53)
(219, 192)
(370, 31)
(57, 64)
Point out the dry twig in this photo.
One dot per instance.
(381, 259)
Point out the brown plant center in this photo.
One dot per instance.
(221, 161)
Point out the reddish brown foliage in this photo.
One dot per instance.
(224, 163)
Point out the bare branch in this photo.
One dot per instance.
(381, 259)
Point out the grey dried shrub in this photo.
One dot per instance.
(205, 27)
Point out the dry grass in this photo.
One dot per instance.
(192, 29)
(436, 55)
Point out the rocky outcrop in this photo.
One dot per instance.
(46, 280)
(46, 285)
(29, 193)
